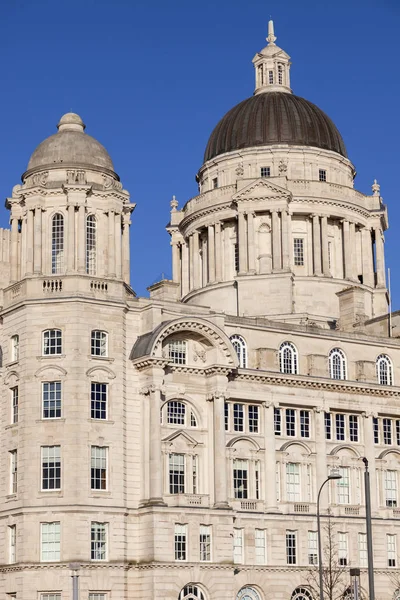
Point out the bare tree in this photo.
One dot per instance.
(335, 577)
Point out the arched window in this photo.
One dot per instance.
(241, 350)
(191, 592)
(280, 74)
(57, 244)
(91, 245)
(301, 593)
(337, 364)
(178, 413)
(288, 359)
(384, 370)
(248, 593)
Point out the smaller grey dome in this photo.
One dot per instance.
(70, 147)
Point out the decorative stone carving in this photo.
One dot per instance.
(76, 176)
(239, 170)
(110, 183)
(282, 167)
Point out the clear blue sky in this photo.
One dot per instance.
(152, 79)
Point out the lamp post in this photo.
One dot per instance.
(368, 520)
(332, 475)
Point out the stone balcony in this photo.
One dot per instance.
(65, 286)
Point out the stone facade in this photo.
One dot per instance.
(173, 446)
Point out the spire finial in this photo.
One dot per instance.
(376, 188)
(174, 203)
(271, 39)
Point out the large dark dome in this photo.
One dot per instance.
(274, 118)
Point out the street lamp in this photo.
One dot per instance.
(332, 475)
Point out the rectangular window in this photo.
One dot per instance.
(391, 550)
(98, 343)
(293, 493)
(176, 473)
(270, 77)
(52, 342)
(98, 541)
(51, 468)
(14, 404)
(312, 547)
(260, 546)
(257, 477)
(177, 352)
(226, 416)
(240, 478)
(97, 596)
(238, 417)
(343, 486)
(215, 183)
(277, 421)
(343, 549)
(194, 474)
(205, 543)
(305, 423)
(290, 422)
(51, 399)
(50, 541)
(298, 251)
(340, 427)
(390, 482)
(322, 175)
(12, 539)
(50, 596)
(375, 424)
(14, 348)
(291, 554)
(98, 400)
(362, 550)
(353, 428)
(176, 412)
(398, 432)
(253, 419)
(13, 472)
(238, 546)
(328, 426)
(265, 171)
(98, 468)
(387, 431)
(236, 257)
(330, 255)
(180, 542)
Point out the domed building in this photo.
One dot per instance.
(180, 446)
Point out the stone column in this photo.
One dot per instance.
(286, 239)
(37, 253)
(251, 242)
(185, 268)
(81, 239)
(353, 251)
(218, 252)
(380, 258)
(29, 243)
(153, 392)
(276, 242)
(111, 243)
(316, 245)
(320, 455)
(118, 246)
(14, 249)
(176, 270)
(242, 243)
(220, 478)
(369, 445)
(211, 254)
(71, 239)
(347, 250)
(270, 458)
(196, 260)
(325, 253)
(126, 249)
(367, 257)
(191, 263)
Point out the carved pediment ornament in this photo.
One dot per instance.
(103, 371)
(261, 189)
(50, 369)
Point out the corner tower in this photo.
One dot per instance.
(277, 219)
(71, 216)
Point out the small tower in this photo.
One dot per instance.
(272, 66)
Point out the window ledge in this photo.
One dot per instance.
(102, 358)
(52, 420)
(108, 421)
(51, 356)
(12, 363)
(45, 493)
(11, 497)
(11, 426)
(100, 494)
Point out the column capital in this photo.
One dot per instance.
(152, 389)
(369, 414)
(216, 394)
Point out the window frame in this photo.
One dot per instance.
(240, 346)
(57, 408)
(291, 547)
(181, 542)
(52, 472)
(99, 468)
(48, 345)
(388, 376)
(13, 457)
(14, 404)
(12, 544)
(96, 343)
(57, 243)
(298, 251)
(240, 478)
(312, 547)
(99, 400)
(265, 172)
(340, 369)
(288, 365)
(260, 535)
(178, 351)
(91, 244)
(205, 543)
(322, 175)
(54, 542)
(14, 353)
(238, 546)
(99, 546)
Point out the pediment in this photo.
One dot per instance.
(51, 372)
(100, 372)
(181, 435)
(262, 189)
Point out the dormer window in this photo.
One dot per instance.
(270, 77)
(215, 183)
(322, 175)
(177, 352)
(265, 171)
(280, 74)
